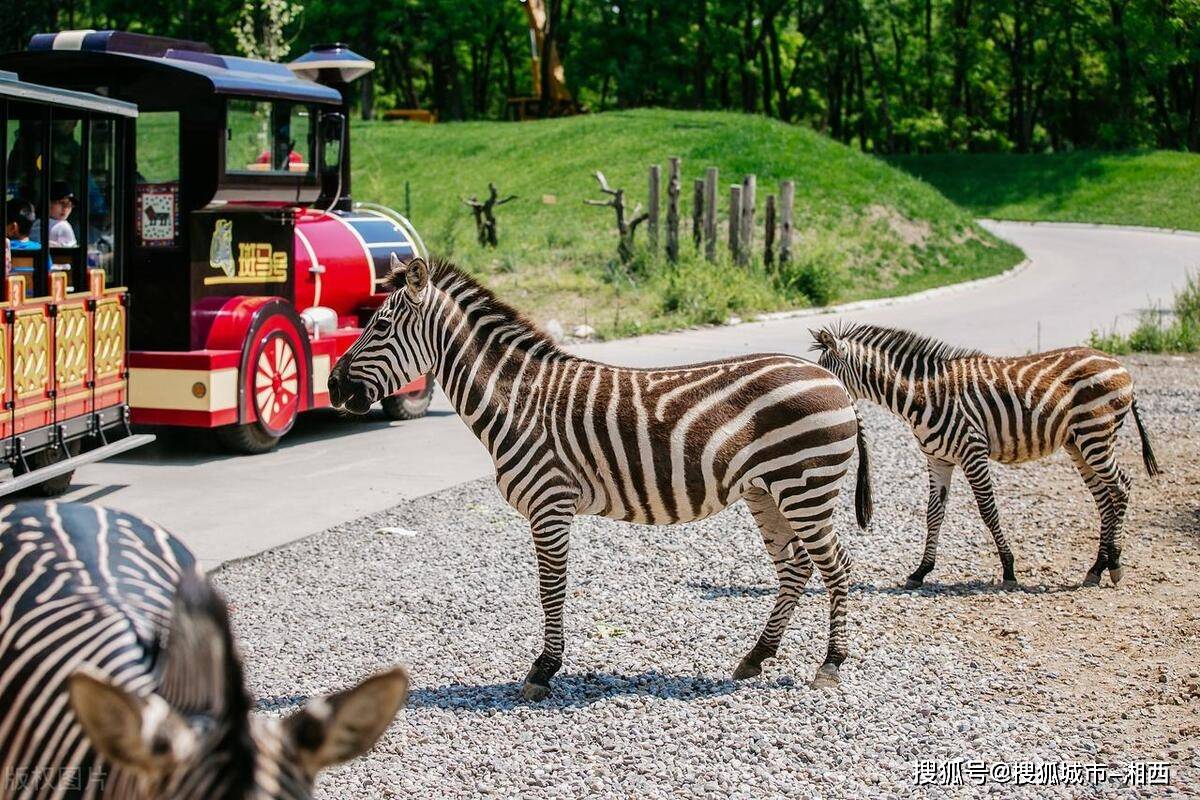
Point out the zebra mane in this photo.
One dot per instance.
(477, 300)
(894, 341)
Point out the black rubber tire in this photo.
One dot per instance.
(246, 440)
(413, 406)
(56, 486)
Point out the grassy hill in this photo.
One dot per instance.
(1154, 188)
(864, 228)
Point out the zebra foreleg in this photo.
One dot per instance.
(793, 568)
(940, 475)
(979, 475)
(551, 534)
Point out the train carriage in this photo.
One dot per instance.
(253, 267)
(63, 316)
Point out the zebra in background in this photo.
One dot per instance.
(966, 408)
(120, 680)
(654, 446)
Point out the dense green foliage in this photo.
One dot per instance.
(886, 75)
(1152, 188)
(864, 228)
(1157, 332)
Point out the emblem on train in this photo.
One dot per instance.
(220, 251)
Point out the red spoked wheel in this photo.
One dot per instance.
(276, 384)
(275, 374)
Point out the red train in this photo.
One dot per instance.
(250, 267)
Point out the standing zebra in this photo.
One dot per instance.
(661, 446)
(120, 680)
(966, 407)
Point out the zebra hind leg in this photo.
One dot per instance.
(1103, 507)
(1110, 486)
(977, 468)
(793, 568)
(809, 511)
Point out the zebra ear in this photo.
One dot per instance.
(417, 276)
(338, 727)
(143, 734)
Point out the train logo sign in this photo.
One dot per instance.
(220, 251)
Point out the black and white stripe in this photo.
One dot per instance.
(967, 408)
(119, 677)
(570, 436)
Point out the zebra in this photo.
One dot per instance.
(570, 437)
(967, 408)
(120, 679)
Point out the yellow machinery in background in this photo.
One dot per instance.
(562, 104)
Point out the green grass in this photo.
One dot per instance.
(864, 229)
(1154, 188)
(1157, 332)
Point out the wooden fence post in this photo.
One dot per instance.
(749, 187)
(697, 212)
(710, 214)
(652, 202)
(673, 209)
(787, 194)
(769, 232)
(735, 222)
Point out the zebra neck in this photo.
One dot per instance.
(492, 370)
(905, 396)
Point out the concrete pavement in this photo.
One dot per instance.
(330, 470)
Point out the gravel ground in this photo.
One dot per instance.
(658, 618)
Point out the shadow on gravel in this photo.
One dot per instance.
(572, 691)
(712, 591)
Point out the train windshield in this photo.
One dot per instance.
(263, 136)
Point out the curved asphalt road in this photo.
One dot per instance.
(332, 470)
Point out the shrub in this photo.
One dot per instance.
(1155, 335)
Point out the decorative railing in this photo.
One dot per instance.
(61, 356)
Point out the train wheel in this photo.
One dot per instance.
(273, 391)
(409, 406)
(55, 486)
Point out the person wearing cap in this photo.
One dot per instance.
(62, 201)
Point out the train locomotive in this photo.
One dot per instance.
(250, 265)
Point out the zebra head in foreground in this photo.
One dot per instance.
(570, 436)
(138, 692)
(967, 408)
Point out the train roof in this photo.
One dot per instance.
(12, 87)
(230, 75)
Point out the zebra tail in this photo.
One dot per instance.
(1147, 452)
(864, 504)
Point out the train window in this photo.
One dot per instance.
(102, 202)
(270, 137)
(158, 147)
(24, 188)
(64, 202)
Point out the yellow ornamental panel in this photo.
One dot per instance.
(71, 346)
(31, 356)
(109, 346)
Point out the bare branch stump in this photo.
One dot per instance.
(625, 228)
(652, 204)
(485, 214)
(769, 232)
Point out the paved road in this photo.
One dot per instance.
(331, 470)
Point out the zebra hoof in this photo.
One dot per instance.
(1115, 573)
(534, 692)
(914, 583)
(1092, 579)
(826, 677)
(1010, 584)
(747, 669)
